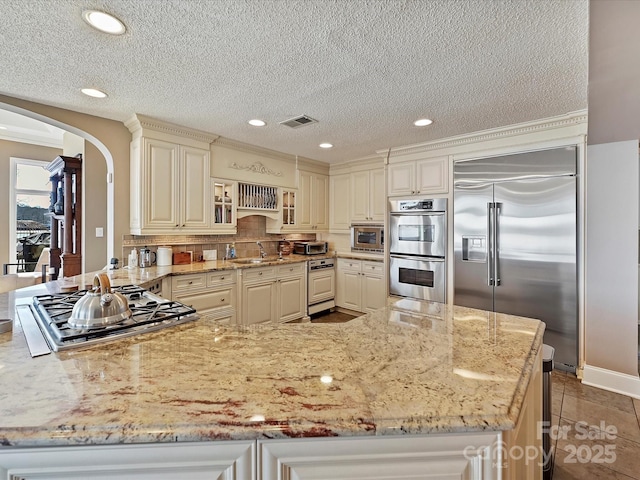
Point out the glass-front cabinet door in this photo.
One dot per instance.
(224, 206)
(288, 208)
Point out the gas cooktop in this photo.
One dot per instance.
(149, 313)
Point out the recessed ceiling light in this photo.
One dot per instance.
(423, 122)
(104, 22)
(325, 145)
(92, 92)
(257, 123)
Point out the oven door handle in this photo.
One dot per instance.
(416, 259)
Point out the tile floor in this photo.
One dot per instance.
(596, 433)
(583, 418)
(331, 317)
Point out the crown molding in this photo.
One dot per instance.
(374, 160)
(535, 126)
(32, 139)
(139, 122)
(263, 152)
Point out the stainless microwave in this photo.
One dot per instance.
(367, 237)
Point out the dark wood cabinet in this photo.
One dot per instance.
(66, 215)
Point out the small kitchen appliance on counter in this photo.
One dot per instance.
(147, 257)
(310, 248)
(164, 256)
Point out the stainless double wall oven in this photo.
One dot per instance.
(417, 248)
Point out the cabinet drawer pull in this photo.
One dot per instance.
(259, 273)
(221, 278)
(222, 300)
(190, 282)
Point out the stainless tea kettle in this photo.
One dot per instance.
(100, 306)
(146, 259)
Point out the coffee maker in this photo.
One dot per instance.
(147, 257)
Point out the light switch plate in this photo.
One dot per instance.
(99, 232)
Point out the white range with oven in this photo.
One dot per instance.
(417, 248)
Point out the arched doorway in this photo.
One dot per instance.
(98, 148)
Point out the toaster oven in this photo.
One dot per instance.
(310, 248)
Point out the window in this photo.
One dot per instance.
(29, 216)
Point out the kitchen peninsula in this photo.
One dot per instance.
(414, 387)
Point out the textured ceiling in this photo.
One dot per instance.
(366, 69)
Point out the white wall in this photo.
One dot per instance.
(614, 90)
(611, 260)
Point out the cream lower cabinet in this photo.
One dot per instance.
(437, 457)
(273, 294)
(361, 285)
(233, 460)
(212, 294)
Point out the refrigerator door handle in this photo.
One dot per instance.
(490, 255)
(496, 243)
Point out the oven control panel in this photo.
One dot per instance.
(417, 205)
(421, 205)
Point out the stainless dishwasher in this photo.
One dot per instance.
(321, 285)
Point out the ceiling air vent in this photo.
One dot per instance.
(300, 121)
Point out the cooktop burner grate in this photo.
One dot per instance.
(149, 313)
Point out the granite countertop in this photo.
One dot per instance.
(364, 255)
(409, 368)
(141, 276)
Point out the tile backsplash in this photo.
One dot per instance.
(250, 230)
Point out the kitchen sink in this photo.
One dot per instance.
(249, 261)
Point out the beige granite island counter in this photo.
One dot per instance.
(413, 377)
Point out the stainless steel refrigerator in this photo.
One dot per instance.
(515, 241)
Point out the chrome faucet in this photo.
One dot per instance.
(263, 253)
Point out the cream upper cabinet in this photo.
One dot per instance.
(194, 191)
(367, 196)
(377, 202)
(170, 182)
(224, 201)
(419, 177)
(340, 217)
(171, 189)
(312, 201)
